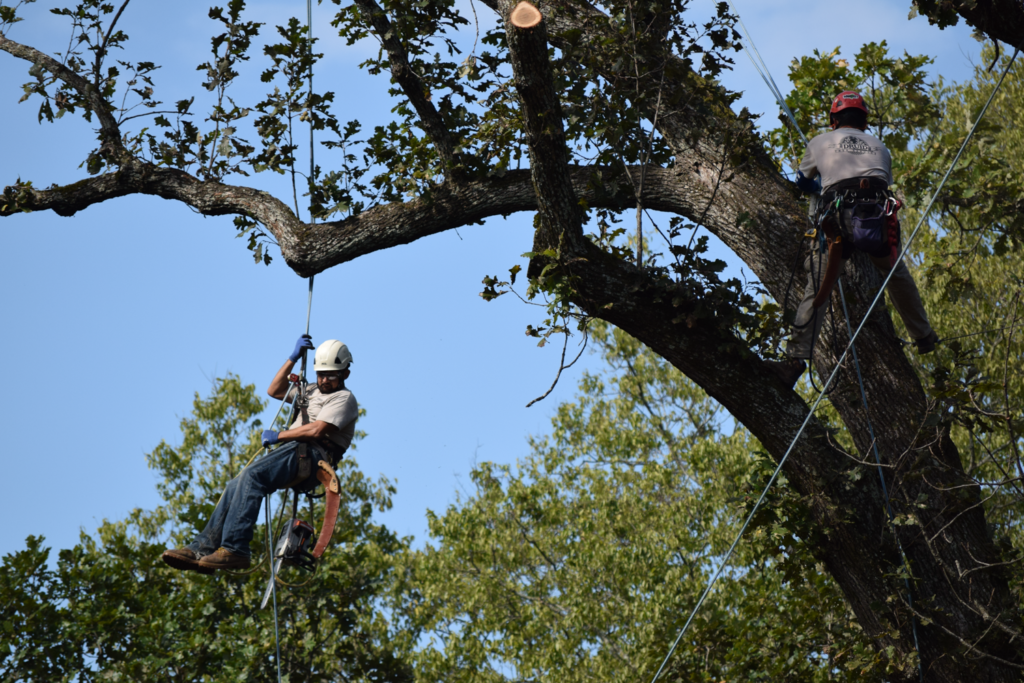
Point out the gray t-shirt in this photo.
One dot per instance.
(339, 408)
(846, 153)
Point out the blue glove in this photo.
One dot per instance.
(269, 437)
(305, 342)
(807, 185)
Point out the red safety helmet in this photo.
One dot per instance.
(848, 99)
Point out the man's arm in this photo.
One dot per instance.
(279, 385)
(310, 432)
(806, 175)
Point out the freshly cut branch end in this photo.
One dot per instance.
(525, 15)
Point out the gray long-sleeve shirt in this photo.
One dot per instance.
(846, 153)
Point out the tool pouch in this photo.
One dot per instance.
(868, 230)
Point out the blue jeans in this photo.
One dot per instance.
(234, 518)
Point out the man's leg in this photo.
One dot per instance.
(268, 474)
(209, 539)
(808, 322)
(187, 558)
(907, 301)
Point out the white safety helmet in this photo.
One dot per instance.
(332, 355)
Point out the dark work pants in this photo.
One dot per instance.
(901, 289)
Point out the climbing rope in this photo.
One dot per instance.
(885, 489)
(277, 636)
(945, 340)
(835, 371)
(309, 308)
(765, 73)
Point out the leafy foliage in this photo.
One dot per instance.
(582, 562)
(983, 200)
(112, 610)
(894, 90)
(971, 258)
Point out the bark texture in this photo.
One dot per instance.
(722, 179)
(1001, 20)
(854, 538)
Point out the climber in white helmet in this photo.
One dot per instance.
(323, 429)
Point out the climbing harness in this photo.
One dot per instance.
(858, 214)
(873, 228)
(821, 395)
(293, 545)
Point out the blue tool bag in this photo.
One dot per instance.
(867, 229)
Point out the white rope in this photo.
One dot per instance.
(765, 74)
(309, 308)
(835, 371)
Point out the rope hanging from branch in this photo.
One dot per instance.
(309, 308)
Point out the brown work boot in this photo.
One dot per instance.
(183, 559)
(788, 371)
(224, 559)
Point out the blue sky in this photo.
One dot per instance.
(114, 318)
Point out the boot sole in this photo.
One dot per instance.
(203, 564)
(212, 567)
(184, 565)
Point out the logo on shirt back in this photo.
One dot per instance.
(851, 144)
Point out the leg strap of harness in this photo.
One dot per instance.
(305, 470)
(325, 474)
(830, 222)
(828, 281)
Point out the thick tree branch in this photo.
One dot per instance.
(430, 118)
(135, 177)
(749, 207)
(1001, 20)
(311, 249)
(660, 315)
(719, 160)
(722, 178)
(561, 217)
(109, 129)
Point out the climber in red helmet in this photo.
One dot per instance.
(852, 170)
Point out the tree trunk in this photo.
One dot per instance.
(968, 626)
(966, 614)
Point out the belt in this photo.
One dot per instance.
(857, 189)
